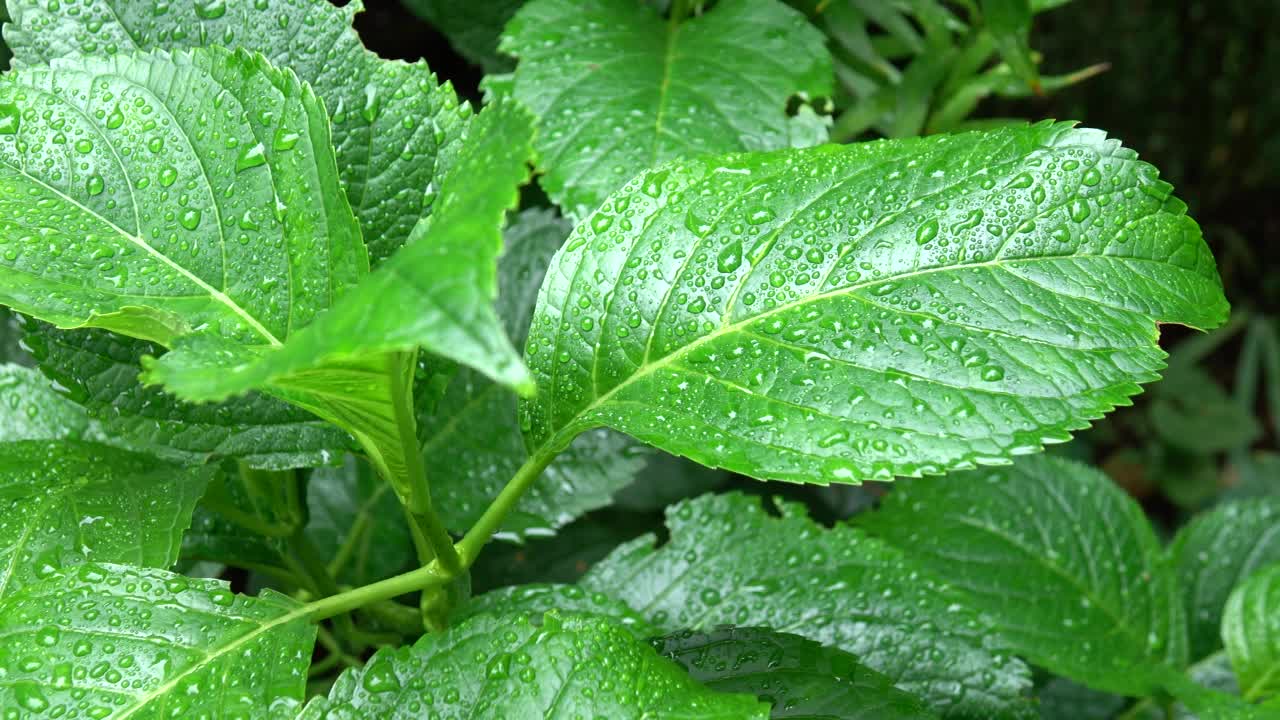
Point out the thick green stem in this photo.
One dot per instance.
(418, 499)
(421, 579)
(491, 520)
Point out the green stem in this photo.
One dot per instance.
(331, 644)
(488, 524)
(680, 10)
(419, 493)
(423, 578)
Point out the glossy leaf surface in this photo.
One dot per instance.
(618, 89)
(66, 502)
(30, 409)
(538, 599)
(520, 666)
(1251, 633)
(113, 641)
(800, 678)
(1063, 562)
(840, 313)
(394, 128)
(1216, 552)
(730, 562)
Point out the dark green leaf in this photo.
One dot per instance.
(799, 677)
(891, 308)
(356, 522)
(395, 129)
(10, 338)
(1251, 633)
(1063, 562)
(30, 409)
(562, 558)
(1062, 699)
(517, 667)
(472, 436)
(730, 562)
(618, 89)
(539, 599)
(109, 641)
(1216, 552)
(1009, 22)
(665, 480)
(67, 502)
(1192, 412)
(472, 28)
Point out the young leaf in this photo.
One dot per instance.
(900, 307)
(394, 128)
(30, 409)
(496, 666)
(730, 562)
(799, 677)
(472, 436)
(100, 371)
(539, 599)
(65, 502)
(1063, 562)
(1214, 553)
(1251, 633)
(617, 89)
(114, 641)
(356, 522)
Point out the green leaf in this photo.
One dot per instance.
(1251, 633)
(394, 128)
(1214, 553)
(729, 562)
(66, 502)
(667, 479)
(10, 337)
(473, 29)
(472, 436)
(1062, 561)
(30, 409)
(496, 666)
(617, 89)
(100, 371)
(799, 677)
(562, 558)
(539, 599)
(1009, 22)
(356, 521)
(1062, 699)
(1201, 703)
(1192, 412)
(890, 308)
(121, 642)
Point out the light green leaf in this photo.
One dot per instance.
(556, 667)
(799, 677)
(729, 562)
(1251, 634)
(1214, 553)
(540, 598)
(30, 409)
(66, 502)
(900, 307)
(99, 370)
(356, 522)
(110, 641)
(472, 436)
(618, 89)
(394, 128)
(472, 29)
(1062, 561)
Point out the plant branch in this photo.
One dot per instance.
(423, 578)
(488, 524)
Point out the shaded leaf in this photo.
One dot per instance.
(618, 89)
(563, 558)
(30, 409)
(473, 29)
(730, 562)
(890, 308)
(517, 666)
(799, 677)
(355, 521)
(538, 599)
(1251, 633)
(67, 502)
(116, 641)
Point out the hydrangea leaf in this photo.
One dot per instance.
(901, 307)
(1251, 633)
(540, 598)
(618, 89)
(30, 409)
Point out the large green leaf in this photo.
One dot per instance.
(729, 562)
(1063, 562)
(799, 677)
(617, 89)
(66, 502)
(472, 443)
(395, 129)
(99, 370)
(110, 641)
(519, 666)
(900, 307)
(538, 599)
(1251, 633)
(1216, 552)
(30, 409)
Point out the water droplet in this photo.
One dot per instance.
(168, 176)
(284, 140)
(1091, 177)
(251, 157)
(9, 119)
(211, 9)
(927, 232)
(95, 185)
(730, 257)
(190, 219)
